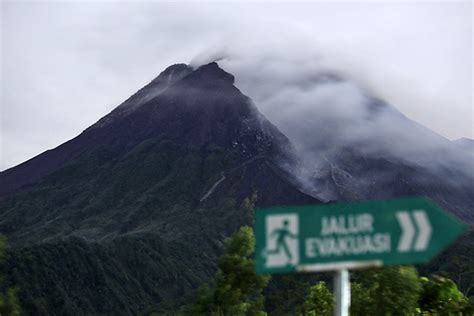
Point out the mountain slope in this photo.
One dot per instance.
(135, 211)
(34, 169)
(360, 147)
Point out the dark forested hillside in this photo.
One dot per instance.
(136, 214)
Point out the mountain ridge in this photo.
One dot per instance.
(37, 167)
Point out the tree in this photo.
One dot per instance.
(441, 296)
(236, 288)
(362, 302)
(386, 291)
(320, 301)
(286, 294)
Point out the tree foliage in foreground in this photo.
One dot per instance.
(286, 293)
(236, 288)
(386, 291)
(441, 296)
(320, 301)
(393, 291)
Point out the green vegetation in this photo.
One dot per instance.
(387, 291)
(442, 297)
(237, 290)
(88, 238)
(124, 232)
(287, 293)
(320, 301)
(457, 264)
(83, 271)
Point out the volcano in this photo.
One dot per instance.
(133, 212)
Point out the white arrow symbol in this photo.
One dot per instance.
(424, 230)
(408, 231)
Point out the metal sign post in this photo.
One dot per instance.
(342, 289)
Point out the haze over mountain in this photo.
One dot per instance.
(133, 211)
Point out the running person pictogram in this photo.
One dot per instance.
(281, 235)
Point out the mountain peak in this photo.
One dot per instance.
(465, 143)
(212, 73)
(173, 73)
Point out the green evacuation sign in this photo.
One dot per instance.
(351, 235)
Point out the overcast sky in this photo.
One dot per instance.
(64, 65)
